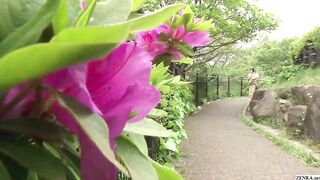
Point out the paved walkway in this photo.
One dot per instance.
(221, 147)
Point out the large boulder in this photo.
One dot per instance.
(296, 116)
(263, 104)
(282, 110)
(312, 121)
(303, 94)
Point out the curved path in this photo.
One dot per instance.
(221, 147)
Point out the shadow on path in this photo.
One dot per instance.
(221, 147)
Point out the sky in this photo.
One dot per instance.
(296, 17)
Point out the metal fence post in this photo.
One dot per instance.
(241, 86)
(183, 75)
(217, 78)
(206, 81)
(197, 89)
(228, 86)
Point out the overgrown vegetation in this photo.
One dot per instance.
(272, 122)
(178, 103)
(284, 143)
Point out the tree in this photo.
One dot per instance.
(270, 56)
(234, 21)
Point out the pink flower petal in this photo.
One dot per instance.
(179, 32)
(114, 90)
(196, 38)
(72, 81)
(150, 41)
(83, 5)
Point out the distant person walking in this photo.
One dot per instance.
(253, 78)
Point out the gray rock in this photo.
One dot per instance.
(312, 121)
(263, 104)
(303, 94)
(296, 116)
(282, 110)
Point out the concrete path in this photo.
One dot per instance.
(221, 147)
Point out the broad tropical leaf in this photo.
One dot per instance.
(16, 13)
(72, 46)
(32, 157)
(148, 127)
(164, 173)
(154, 19)
(4, 174)
(136, 162)
(30, 32)
(110, 12)
(84, 18)
(34, 127)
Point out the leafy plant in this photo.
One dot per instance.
(177, 102)
(288, 72)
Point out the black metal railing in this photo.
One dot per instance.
(215, 86)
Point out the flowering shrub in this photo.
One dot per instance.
(178, 104)
(75, 93)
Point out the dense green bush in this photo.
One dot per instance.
(288, 72)
(177, 103)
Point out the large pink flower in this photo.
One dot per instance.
(113, 87)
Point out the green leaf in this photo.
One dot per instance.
(15, 13)
(84, 18)
(110, 12)
(186, 60)
(185, 49)
(61, 19)
(94, 127)
(72, 46)
(67, 15)
(32, 176)
(93, 35)
(155, 18)
(30, 32)
(202, 25)
(4, 174)
(34, 127)
(71, 161)
(165, 173)
(159, 73)
(164, 89)
(183, 20)
(134, 15)
(15, 170)
(136, 162)
(176, 81)
(171, 145)
(148, 127)
(32, 157)
(6, 26)
(137, 4)
(158, 113)
(21, 11)
(139, 141)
